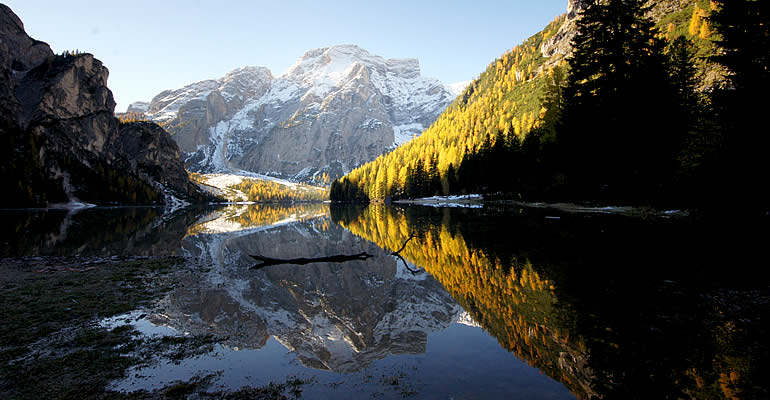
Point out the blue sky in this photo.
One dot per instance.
(150, 46)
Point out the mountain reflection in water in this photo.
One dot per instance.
(604, 306)
(336, 316)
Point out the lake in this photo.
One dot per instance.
(493, 302)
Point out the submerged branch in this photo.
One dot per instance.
(267, 261)
(412, 236)
(398, 254)
(406, 264)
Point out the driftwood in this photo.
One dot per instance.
(339, 258)
(267, 261)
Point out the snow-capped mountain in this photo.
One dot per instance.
(334, 109)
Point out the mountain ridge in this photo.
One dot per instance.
(335, 108)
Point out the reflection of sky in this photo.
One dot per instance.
(460, 361)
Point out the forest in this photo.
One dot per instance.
(658, 113)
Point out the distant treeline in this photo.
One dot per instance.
(269, 191)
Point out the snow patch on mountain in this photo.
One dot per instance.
(405, 133)
(457, 88)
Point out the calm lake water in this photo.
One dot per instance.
(496, 302)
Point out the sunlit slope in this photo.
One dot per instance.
(507, 100)
(258, 188)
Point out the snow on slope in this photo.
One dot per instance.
(224, 182)
(166, 105)
(458, 87)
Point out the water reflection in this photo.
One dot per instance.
(599, 304)
(335, 316)
(607, 307)
(135, 231)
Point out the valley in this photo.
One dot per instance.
(583, 219)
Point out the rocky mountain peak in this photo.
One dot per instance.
(138, 107)
(234, 87)
(330, 67)
(336, 108)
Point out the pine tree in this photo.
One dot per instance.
(553, 102)
(610, 134)
(744, 28)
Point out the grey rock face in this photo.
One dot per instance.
(575, 6)
(558, 47)
(335, 109)
(60, 139)
(26, 51)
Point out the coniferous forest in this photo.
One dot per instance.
(633, 116)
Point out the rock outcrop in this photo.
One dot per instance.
(60, 139)
(333, 110)
(558, 47)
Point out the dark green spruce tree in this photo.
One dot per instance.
(740, 172)
(618, 138)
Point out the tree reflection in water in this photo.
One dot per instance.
(611, 307)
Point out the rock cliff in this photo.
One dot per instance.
(60, 139)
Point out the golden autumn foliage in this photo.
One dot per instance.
(505, 102)
(505, 99)
(130, 117)
(270, 191)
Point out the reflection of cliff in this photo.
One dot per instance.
(508, 298)
(590, 301)
(333, 316)
(136, 231)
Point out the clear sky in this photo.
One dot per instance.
(150, 46)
